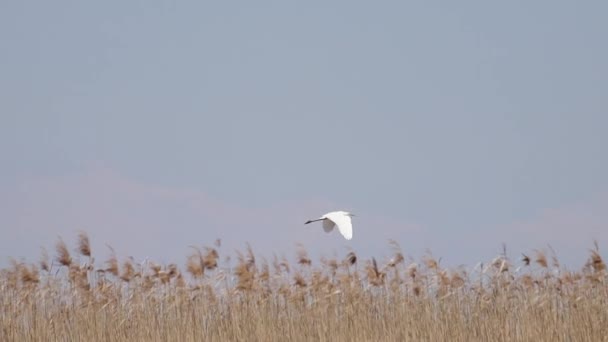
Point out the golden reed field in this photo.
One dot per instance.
(70, 296)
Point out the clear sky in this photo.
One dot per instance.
(452, 126)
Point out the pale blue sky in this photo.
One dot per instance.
(453, 126)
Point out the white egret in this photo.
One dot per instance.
(342, 219)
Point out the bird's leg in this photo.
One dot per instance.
(310, 221)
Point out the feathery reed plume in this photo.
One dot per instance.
(128, 271)
(430, 262)
(210, 259)
(155, 269)
(84, 245)
(374, 276)
(250, 256)
(501, 264)
(541, 259)
(302, 255)
(244, 273)
(394, 245)
(595, 261)
(351, 258)
(172, 270)
(164, 277)
(78, 277)
(180, 282)
(195, 265)
(265, 271)
(299, 280)
(12, 275)
(44, 260)
(412, 270)
(148, 283)
(396, 260)
(28, 275)
(525, 259)
(527, 281)
(63, 255)
(398, 255)
(285, 264)
(332, 264)
(554, 260)
(319, 300)
(566, 278)
(444, 280)
(112, 263)
(276, 265)
(458, 280)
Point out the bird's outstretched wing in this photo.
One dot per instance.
(343, 222)
(328, 225)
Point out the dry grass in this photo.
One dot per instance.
(532, 299)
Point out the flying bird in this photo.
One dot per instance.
(342, 219)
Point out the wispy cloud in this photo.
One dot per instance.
(570, 229)
(148, 220)
(160, 222)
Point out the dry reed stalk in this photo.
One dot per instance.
(317, 301)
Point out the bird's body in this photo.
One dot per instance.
(342, 219)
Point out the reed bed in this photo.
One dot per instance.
(70, 297)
